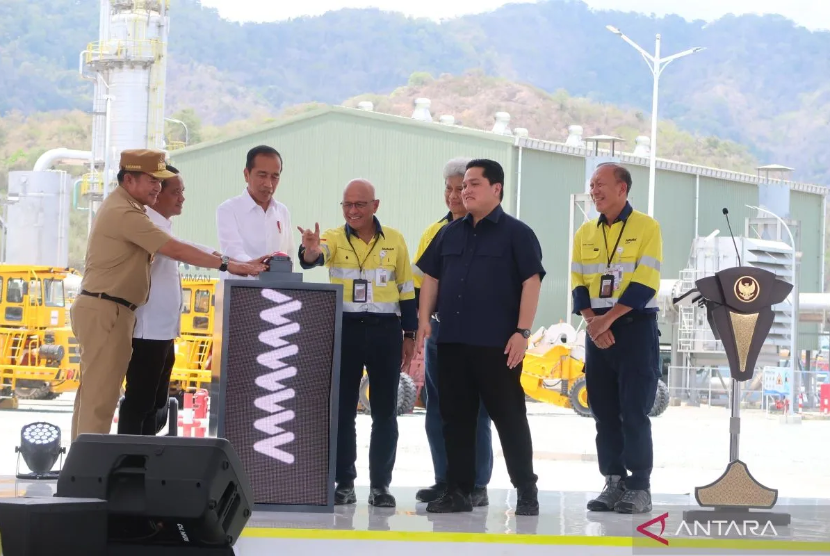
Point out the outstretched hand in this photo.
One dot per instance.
(311, 238)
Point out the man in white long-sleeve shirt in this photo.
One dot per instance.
(157, 324)
(254, 223)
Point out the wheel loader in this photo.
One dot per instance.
(39, 357)
(553, 371)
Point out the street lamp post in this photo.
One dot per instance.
(656, 65)
(793, 326)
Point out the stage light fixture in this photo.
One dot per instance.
(40, 446)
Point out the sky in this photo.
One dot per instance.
(812, 14)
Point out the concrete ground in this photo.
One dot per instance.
(691, 448)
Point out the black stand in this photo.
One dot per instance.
(738, 302)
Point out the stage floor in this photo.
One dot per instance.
(563, 522)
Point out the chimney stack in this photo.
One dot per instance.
(421, 111)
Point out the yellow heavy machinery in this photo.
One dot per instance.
(552, 371)
(39, 356)
(194, 347)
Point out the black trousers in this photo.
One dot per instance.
(622, 383)
(148, 383)
(467, 374)
(376, 343)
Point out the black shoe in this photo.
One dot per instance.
(634, 502)
(344, 494)
(380, 497)
(451, 502)
(479, 497)
(610, 495)
(527, 501)
(434, 492)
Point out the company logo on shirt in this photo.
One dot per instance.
(272, 403)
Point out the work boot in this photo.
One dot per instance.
(634, 502)
(380, 497)
(344, 494)
(527, 501)
(434, 492)
(479, 497)
(610, 495)
(452, 501)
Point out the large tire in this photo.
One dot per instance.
(578, 396)
(661, 400)
(407, 394)
(33, 390)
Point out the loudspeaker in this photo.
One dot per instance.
(53, 526)
(161, 490)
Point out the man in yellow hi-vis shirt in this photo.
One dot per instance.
(379, 325)
(616, 276)
(453, 184)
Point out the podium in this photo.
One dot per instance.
(738, 304)
(277, 391)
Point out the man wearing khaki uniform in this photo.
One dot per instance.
(122, 243)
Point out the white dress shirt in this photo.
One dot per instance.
(247, 232)
(160, 317)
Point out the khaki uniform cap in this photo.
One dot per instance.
(148, 161)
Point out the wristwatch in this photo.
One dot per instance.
(224, 266)
(409, 335)
(525, 332)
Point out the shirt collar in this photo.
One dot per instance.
(626, 212)
(447, 217)
(250, 204)
(127, 197)
(494, 216)
(157, 217)
(378, 229)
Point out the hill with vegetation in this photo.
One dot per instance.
(762, 81)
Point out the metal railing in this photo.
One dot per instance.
(123, 49)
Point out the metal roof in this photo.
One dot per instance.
(524, 142)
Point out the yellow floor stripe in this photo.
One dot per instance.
(425, 536)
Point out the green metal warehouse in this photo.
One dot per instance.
(324, 148)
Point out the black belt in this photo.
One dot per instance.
(118, 300)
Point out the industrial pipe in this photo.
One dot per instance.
(71, 156)
(75, 195)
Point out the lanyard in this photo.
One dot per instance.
(610, 254)
(359, 263)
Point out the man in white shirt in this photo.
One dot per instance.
(157, 324)
(254, 222)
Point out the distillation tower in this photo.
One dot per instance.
(127, 66)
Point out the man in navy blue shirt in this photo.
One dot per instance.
(483, 274)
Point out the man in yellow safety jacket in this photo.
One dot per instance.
(616, 275)
(379, 325)
(453, 178)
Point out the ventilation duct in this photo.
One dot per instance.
(501, 125)
(421, 111)
(575, 136)
(366, 106)
(520, 132)
(643, 147)
(447, 120)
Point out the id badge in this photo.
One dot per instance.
(359, 291)
(381, 277)
(606, 286)
(617, 274)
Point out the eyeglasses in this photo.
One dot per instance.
(359, 205)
